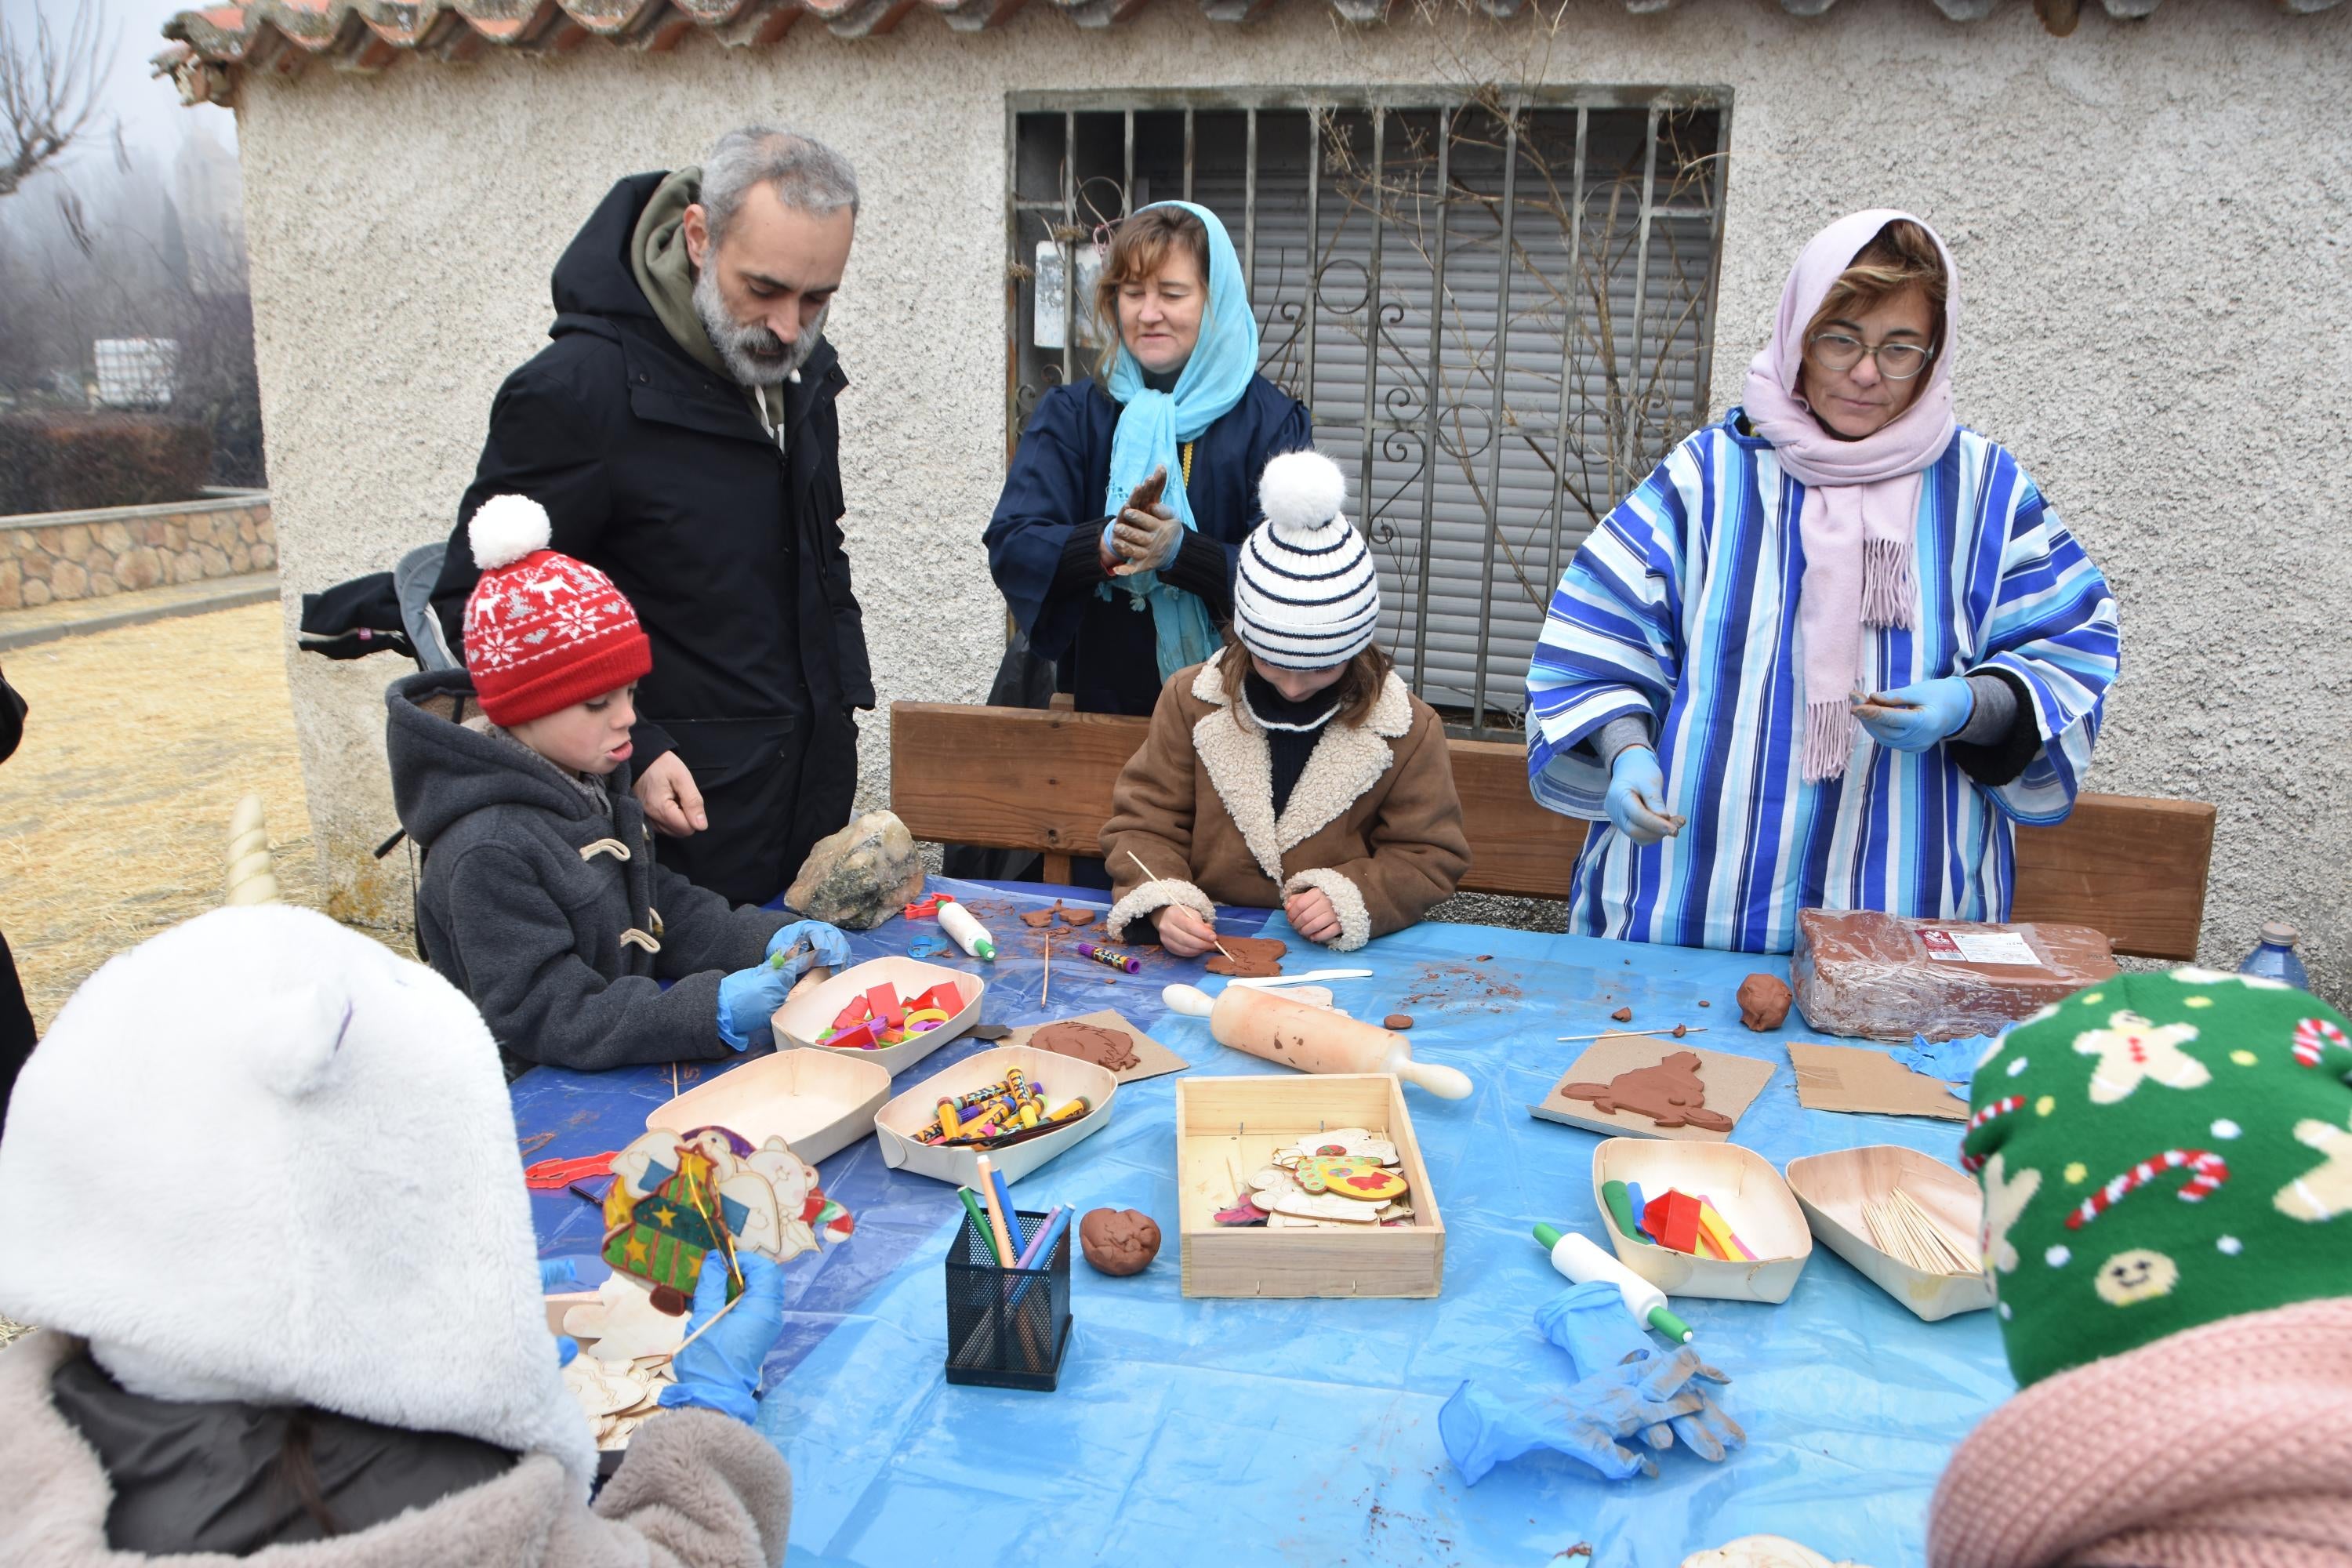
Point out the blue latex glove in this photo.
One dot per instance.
(746, 998)
(1592, 1324)
(1925, 713)
(720, 1370)
(1952, 1061)
(1637, 796)
(826, 946)
(1480, 1429)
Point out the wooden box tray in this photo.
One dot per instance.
(1745, 1191)
(1065, 1079)
(818, 1101)
(806, 1016)
(1831, 1188)
(1228, 1124)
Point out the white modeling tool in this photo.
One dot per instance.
(1584, 1261)
(969, 933)
(1312, 976)
(1311, 1039)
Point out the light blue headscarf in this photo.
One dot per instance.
(1154, 426)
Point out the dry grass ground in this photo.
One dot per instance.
(114, 813)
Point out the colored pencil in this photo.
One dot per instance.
(979, 1223)
(1003, 1190)
(996, 1218)
(1038, 1240)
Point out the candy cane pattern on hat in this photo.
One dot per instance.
(2210, 1172)
(2001, 1107)
(2311, 1038)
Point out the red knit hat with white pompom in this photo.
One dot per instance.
(543, 630)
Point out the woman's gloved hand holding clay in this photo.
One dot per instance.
(1145, 534)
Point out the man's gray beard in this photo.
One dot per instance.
(734, 341)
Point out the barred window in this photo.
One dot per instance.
(1571, 242)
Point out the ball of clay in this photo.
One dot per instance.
(1763, 1002)
(1118, 1241)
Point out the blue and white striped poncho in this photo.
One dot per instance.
(1682, 607)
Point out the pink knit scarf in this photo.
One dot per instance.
(2226, 1445)
(1862, 498)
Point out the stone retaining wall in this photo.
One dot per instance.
(52, 555)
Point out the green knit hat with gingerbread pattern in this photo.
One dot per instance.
(2157, 1151)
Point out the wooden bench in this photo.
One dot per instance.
(1023, 778)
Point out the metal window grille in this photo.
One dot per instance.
(1569, 240)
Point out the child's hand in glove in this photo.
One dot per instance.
(720, 1370)
(819, 943)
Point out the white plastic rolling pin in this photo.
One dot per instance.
(1582, 1261)
(969, 933)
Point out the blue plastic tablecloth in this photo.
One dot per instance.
(1235, 1433)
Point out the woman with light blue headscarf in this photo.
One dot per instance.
(1118, 589)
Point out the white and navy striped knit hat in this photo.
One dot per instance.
(1308, 596)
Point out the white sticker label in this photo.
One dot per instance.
(1979, 947)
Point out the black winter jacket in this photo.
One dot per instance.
(662, 476)
(549, 913)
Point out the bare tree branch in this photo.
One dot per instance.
(49, 87)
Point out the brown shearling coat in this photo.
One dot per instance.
(1373, 821)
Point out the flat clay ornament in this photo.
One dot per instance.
(1669, 1094)
(1254, 957)
(1118, 1242)
(1112, 1049)
(1763, 1002)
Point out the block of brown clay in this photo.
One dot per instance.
(1399, 1022)
(1763, 1002)
(1888, 977)
(1623, 1015)
(1118, 1241)
(1113, 1049)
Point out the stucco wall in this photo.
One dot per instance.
(2151, 221)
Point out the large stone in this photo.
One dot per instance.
(861, 876)
(36, 594)
(114, 538)
(12, 585)
(69, 580)
(73, 541)
(139, 568)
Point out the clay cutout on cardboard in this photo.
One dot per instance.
(1111, 1049)
(1669, 1094)
(1254, 957)
(1118, 1242)
(1763, 1002)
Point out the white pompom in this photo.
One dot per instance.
(506, 529)
(1301, 491)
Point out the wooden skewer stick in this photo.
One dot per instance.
(1687, 1029)
(1047, 988)
(706, 1328)
(1212, 935)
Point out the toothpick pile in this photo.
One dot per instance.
(1907, 1233)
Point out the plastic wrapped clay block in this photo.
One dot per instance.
(1888, 977)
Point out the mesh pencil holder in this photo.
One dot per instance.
(1007, 1328)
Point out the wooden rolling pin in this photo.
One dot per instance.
(1312, 1039)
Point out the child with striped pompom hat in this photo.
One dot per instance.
(1294, 769)
(2166, 1164)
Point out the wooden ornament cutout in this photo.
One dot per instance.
(1731, 1084)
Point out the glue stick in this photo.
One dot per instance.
(1583, 1262)
(969, 933)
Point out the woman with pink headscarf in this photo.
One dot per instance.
(1833, 648)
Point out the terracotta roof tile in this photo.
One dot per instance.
(214, 47)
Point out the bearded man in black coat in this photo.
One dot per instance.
(680, 432)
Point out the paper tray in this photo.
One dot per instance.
(818, 1101)
(1830, 1189)
(1066, 1078)
(802, 1018)
(1745, 1189)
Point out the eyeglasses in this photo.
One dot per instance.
(1897, 362)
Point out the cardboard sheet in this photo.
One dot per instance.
(1858, 1078)
(1732, 1084)
(1152, 1058)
